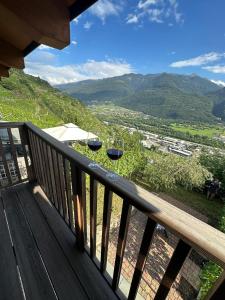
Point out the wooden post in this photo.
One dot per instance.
(79, 203)
(105, 228)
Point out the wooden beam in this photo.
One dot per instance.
(4, 71)
(10, 56)
(49, 20)
(79, 6)
(14, 30)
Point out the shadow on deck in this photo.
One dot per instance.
(38, 254)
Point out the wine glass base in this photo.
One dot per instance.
(93, 165)
(112, 176)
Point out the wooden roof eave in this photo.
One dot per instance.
(25, 24)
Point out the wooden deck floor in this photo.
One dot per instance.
(38, 256)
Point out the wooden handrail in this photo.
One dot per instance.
(196, 233)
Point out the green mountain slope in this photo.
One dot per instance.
(218, 97)
(170, 96)
(27, 98)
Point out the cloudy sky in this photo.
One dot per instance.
(142, 36)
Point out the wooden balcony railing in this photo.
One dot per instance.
(62, 173)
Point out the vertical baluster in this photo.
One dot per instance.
(14, 153)
(175, 264)
(57, 183)
(122, 238)
(43, 158)
(47, 170)
(52, 178)
(33, 154)
(68, 192)
(105, 228)
(40, 162)
(24, 141)
(93, 216)
(62, 187)
(34, 150)
(79, 204)
(5, 164)
(142, 258)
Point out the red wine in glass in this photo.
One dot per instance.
(94, 145)
(114, 154)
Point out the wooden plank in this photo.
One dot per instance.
(42, 163)
(105, 228)
(34, 276)
(62, 187)
(46, 169)
(10, 56)
(67, 285)
(39, 160)
(79, 198)
(142, 258)
(89, 276)
(9, 281)
(57, 182)
(18, 34)
(53, 184)
(25, 141)
(122, 238)
(14, 153)
(11, 124)
(93, 216)
(33, 149)
(175, 264)
(43, 27)
(67, 176)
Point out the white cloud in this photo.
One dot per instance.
(155, 15)
(132, 19)
(199, 60)
(216, 69)
(104, 8)
(41, 57)
(70, 73)
(76, 20)
(88, 25)
(219, 82)
(74, 43)
(146, 3)
(44, 47)
(159, 11)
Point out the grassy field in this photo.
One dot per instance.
(210, 208)
(209, 131)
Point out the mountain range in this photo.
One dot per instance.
(169, 96)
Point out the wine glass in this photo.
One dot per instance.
(115, 149)
(94, 144)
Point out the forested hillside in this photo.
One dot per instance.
(27, 98)
(168, 96)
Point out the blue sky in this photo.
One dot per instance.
(141, 36)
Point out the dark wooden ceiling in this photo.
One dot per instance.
(25, 24)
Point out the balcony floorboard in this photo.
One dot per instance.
(44, 250)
